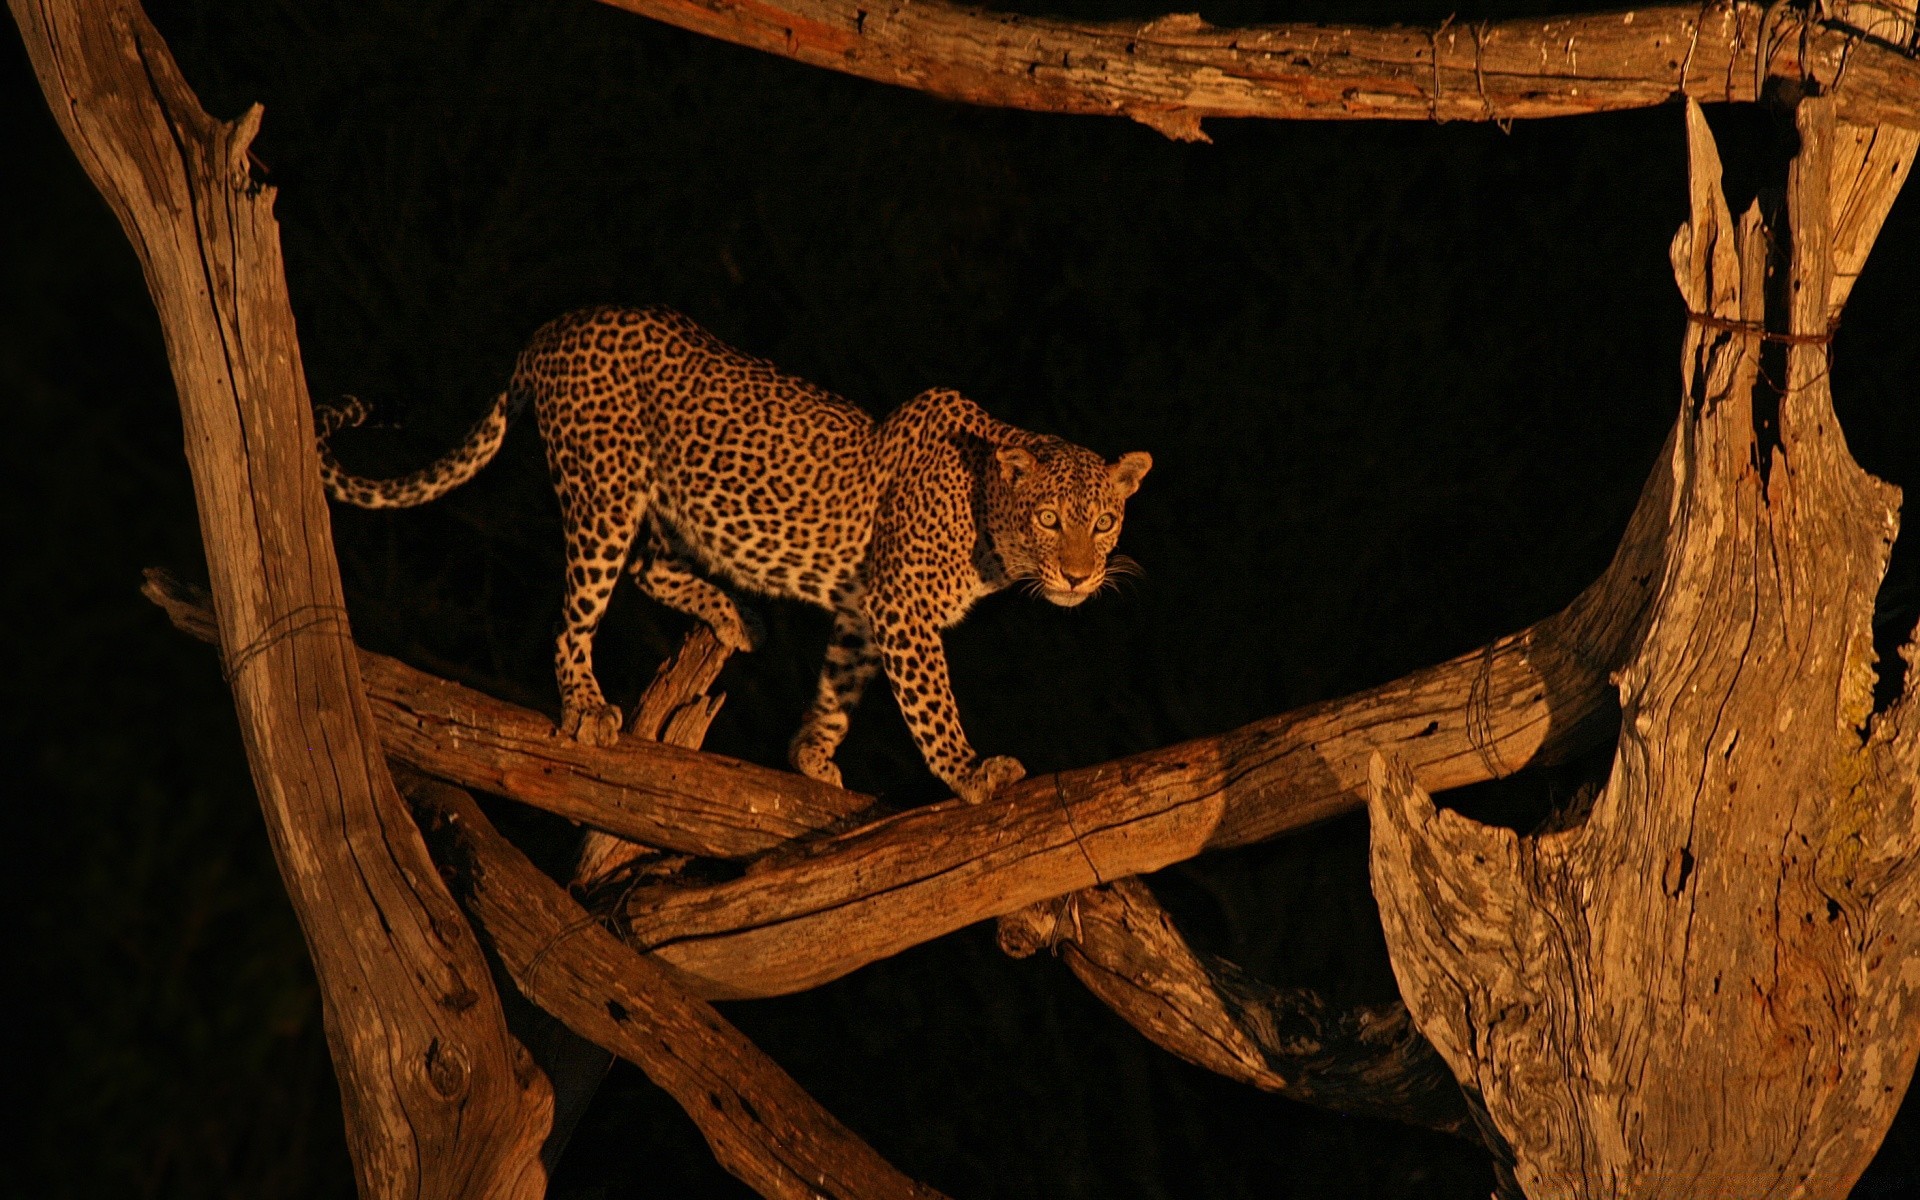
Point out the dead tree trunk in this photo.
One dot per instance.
(1711, 986)
(440, 1100)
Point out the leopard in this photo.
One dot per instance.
(679, 460)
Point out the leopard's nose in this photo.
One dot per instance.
(1073, 580)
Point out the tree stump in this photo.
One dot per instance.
(1709, 987)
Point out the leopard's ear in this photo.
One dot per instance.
(1129, 471)
(1015, 463)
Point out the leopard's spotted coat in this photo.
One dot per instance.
(784, 489)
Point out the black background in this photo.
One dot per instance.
(1401, 385)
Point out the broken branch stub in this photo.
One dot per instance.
(1709, 985)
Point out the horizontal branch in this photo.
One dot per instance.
(648, 791)
(760, 1124)
(1172, 71)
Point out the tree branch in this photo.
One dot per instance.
(1173, 71)
(1369, 1061)
(646, 791)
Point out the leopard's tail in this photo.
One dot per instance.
(430, 482)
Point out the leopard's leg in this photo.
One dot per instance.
(916, 662)
(600, 523)
(665, 576)
(852, 659)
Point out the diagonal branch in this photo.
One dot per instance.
(1368, 1061)
(760, 1124)
(646, 791)
(1172, 71)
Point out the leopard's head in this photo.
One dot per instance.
(1055, 512)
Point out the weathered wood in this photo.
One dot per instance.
(440, 1101)
(1712, 985)
(1172, 71)
(1368, 1061)
(644, 791)
(759, 1123)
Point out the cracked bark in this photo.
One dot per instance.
(810, 912)
(1711, 984)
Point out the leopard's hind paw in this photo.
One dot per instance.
(597, 726)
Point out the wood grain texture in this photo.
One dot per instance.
(1175, 70)
(1711, 987)
(759, 1123)
(675, 709)
(440, 1101)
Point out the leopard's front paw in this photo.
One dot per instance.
(988, 777)
(595, 726)
(818, 766)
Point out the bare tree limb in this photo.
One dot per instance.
(802, 917)
(759, 1123)
(1173, 71)
(676, 709)
(1368, 1061)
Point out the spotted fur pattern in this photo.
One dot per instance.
(659, 433)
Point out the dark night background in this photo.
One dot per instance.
(1401, 383)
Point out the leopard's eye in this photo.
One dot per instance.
(1104, 523)
(1047, 518)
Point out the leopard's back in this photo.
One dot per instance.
(764, 478)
